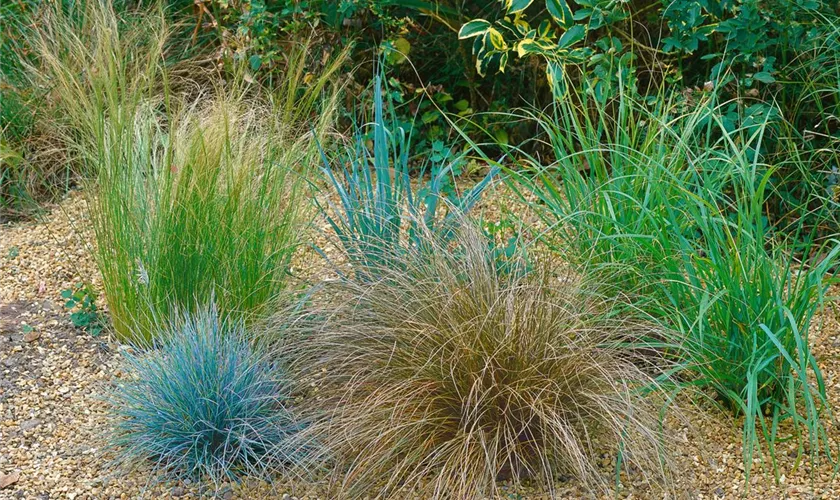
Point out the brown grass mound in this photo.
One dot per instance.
(446, 375)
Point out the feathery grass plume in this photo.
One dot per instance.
(63, 55)
(209, 206)
(205, 404)
(99, 66)
(189, 196)
(445, 375)
(677, 205)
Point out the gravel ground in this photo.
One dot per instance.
(53, 377)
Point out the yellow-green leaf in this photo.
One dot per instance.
(521, 25)
(556, 78)
(497, 40)
(398, 51)
(531, 46)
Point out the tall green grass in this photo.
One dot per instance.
(193, 193)
(675, 205)
(208, 207)
(811, 97)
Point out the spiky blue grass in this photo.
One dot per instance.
(203, 403)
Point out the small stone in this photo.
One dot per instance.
(28, 425)
(7, 480)
(32, 336)
(178, 491)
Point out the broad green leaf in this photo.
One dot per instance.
(572, 36)
(764, 77)
(514, 6)
(430, 116)
(473, 28)
(544, 30)
(397, 50)
(482, 47)
(255, 61)
(481, 64)
(490, 57)
(560, 11)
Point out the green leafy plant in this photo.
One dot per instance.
(84, 313)
(704, 39)
(555, 39)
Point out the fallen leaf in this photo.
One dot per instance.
(8, 479)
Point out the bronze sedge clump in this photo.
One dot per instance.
(444, 375)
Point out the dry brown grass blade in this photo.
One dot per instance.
(446, 375)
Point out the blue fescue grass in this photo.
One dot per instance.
(203, 404)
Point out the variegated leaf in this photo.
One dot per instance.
(474, 28)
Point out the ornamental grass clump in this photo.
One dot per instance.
(379, 212)
(208, 207)
(678, 206)
(193, 192)
(203, 404)
(444, 376)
